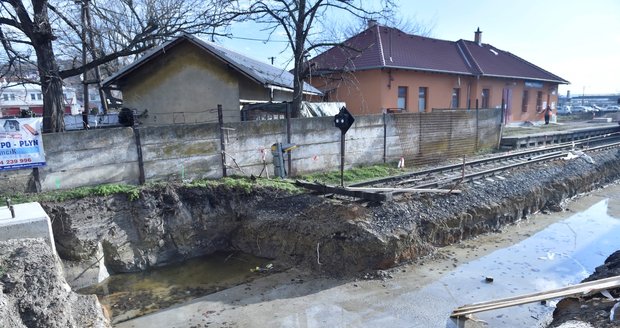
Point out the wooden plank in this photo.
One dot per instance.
(327, 189)
(578, 289)
(399, 190)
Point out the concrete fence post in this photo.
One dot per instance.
(288, 136)
(220, 121)
(477, 127)
(141, 177)
(384, 138)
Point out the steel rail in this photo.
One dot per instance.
(482, 161)
(495, 170)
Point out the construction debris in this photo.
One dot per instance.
(575, 290)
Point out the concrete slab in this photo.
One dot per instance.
(30, 221)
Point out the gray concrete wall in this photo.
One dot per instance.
(181, 152)
(90, 157)
(191, 151)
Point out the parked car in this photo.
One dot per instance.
(611, 109)
(585, 109)
(564, 110)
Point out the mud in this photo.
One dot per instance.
(171, 223)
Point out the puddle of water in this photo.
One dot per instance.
(562, 254)
(129, 295)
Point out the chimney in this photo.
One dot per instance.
(372, 23)
(478, 37)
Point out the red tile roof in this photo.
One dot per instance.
(386, 47)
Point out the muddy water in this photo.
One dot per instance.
(564, 253)
(544, 252)
(133, 294)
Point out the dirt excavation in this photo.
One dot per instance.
(334, 237)
(34, 292)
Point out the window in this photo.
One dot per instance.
(402, 98)
(485, 98)
(539, 101)
(5, 97)
(456, 92)
(525, 100)
(93, 96)
(422, 93)
(12, 95)
(33, 96)
(39, 96)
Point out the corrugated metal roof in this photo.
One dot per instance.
(386, 47)
(262, 73)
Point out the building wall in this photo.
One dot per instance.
(252, 92)
(515, 109)
(362, 92)
(183, 86)
(374, 91)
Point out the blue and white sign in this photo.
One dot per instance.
(21, 143)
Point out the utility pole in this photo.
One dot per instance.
(93, 54)
(583, 95)
(84, 54)
(272, 58)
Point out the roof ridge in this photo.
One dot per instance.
(467, 53)
(380, 45)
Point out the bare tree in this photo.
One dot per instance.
(302, 21)
(115, 29)
(409, 25)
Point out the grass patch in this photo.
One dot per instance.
(131, 191)
(247, 184)
(357, 174)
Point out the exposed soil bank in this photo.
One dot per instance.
(170, 223)
(34, 293)
(594, 309)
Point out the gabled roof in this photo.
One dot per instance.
(261, 73)
(386, 47)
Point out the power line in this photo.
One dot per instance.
(259, 40)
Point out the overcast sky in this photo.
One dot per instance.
(576, 40)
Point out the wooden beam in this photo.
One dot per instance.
(327, 189)
(402, 190)
(578, 289)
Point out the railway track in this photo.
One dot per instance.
(450, 176)
(447, 175)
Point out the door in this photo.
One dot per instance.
(507, 102)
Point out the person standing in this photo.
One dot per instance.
(548, 112)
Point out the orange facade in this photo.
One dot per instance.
(379, 90)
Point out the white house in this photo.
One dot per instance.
(15, 97)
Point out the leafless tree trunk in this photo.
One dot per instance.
(120, 28)
(299, 19)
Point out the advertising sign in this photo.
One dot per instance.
(21, 144)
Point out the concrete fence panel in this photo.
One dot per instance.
(91, 157)
(180, 152)
(190, 151)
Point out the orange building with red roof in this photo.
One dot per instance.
(384, 69)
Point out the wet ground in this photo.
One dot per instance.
(130, 295)
(546, 251)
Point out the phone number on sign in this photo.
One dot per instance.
(15, 161)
